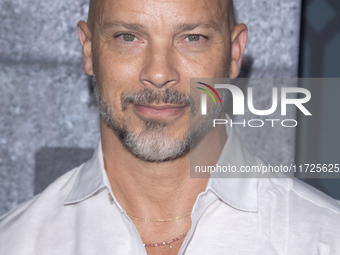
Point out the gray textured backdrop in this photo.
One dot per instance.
(48, 120)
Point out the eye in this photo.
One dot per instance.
(194, 38)
(128, 37)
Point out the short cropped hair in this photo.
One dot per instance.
(231, 14)
(92, 9)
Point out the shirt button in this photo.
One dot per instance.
(110, 197)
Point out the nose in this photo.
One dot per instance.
(160, 68)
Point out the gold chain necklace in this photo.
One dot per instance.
(165, 243)
(159, 220)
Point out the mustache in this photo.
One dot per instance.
(148, 96)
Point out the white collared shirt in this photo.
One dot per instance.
(240, 216)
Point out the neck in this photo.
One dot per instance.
(156, 190)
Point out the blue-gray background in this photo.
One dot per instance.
(49, 122)
(318, 138)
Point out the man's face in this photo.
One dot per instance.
(144, 53)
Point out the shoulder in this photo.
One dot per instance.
(33, 214)
(56, 192)
(304, 212)
(299, 193)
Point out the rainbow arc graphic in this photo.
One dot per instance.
(209, 93)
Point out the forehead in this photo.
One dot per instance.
(161, 12)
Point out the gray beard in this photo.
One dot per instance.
(153, 144)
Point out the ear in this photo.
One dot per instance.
(84, 34)
(239, 38)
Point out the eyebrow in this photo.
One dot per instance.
(179, 28)
(131, 26)
(188, 27)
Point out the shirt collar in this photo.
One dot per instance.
(240, 193)
(91, 177)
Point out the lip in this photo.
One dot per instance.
(159, 111)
